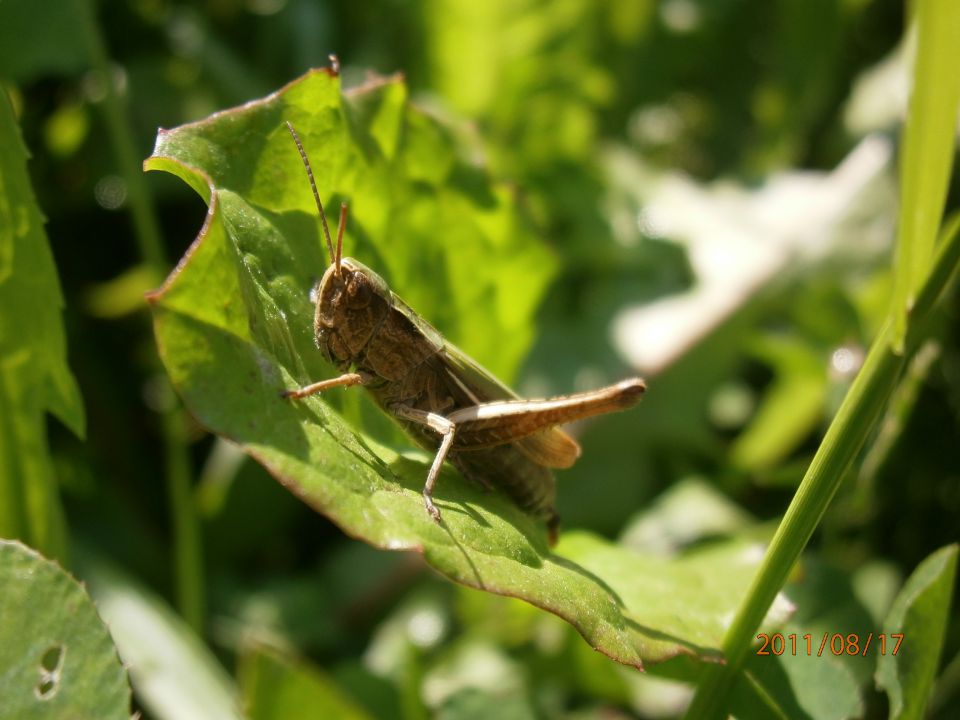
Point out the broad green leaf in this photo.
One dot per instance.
(56, 656)
(234, 328)
(277, 688)
(34, 378)
(173, 673)
(687, 599)
(784, 683)
(920, 614)
(785, 679)
(828, 605)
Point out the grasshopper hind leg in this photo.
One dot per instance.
(435, 473)
(448, 431)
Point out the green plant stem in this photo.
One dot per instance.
(187, 550)
(857, 415)
(183, 507)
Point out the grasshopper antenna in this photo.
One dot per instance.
(335, 259)
(341, 224)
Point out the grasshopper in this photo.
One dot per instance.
(437, 393)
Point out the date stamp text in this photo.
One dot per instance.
(830, 643)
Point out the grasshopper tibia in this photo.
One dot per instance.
(345, 380)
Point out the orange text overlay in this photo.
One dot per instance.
(829, 644)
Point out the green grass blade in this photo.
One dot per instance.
(857, 415)
(928, 144)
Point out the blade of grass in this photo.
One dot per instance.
(857, 415)
(188, 565)
(928, 142)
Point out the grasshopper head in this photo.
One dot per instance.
(351, 302)
(351, 298)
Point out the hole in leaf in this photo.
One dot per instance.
(51, 663)
(45, 688)
(51, 658)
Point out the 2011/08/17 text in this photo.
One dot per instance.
(832, 643)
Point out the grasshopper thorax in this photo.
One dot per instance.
(352, 301)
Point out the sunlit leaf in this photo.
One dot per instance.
(233, 325)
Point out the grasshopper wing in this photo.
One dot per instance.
(551, 448)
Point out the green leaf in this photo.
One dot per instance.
(784, 682)
(56, 656)
(173, 673)
(685, 599)
(234, 328)
(920, 614)
(277, 688)
(34, 377)
(829, 604)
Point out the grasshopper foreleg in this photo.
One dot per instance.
(344, 380)
(448, 430)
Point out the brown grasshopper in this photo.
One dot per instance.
(439, 394)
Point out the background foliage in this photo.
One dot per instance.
(714, 184)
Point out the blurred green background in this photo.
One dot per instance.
(717, 180)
